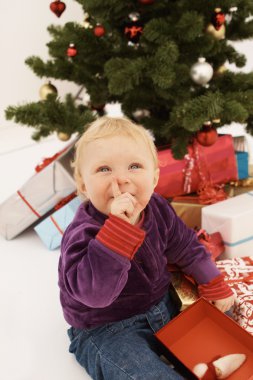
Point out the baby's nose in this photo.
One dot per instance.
(122, 179)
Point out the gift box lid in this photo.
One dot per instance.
(232, 218)
(231, 207)
(199, 334)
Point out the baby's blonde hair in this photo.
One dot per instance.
(110, 126)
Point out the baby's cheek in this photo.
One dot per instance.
(144, 199)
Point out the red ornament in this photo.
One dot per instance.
(207, 136)
(71, 51)
(146, 2)
(58, 7)
(99, 30)
(218, 18)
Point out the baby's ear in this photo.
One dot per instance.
(156, 176)
(81, 189)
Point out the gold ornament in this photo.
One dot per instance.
(63, 136)
(216, 123)
(47, 89)
(86, 21)
(221, 70)
(217, 34)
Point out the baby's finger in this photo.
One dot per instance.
(131, 197)
(137, 210)
(115, 188)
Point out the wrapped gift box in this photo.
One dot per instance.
(239, 187)
(38, 195)
(199, 334)
(238, 274)
(51, 229)
(185, 290)
(242, 156)
(233, 219)
(177, 177)
(190, 213)
(242, 164)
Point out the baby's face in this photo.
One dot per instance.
(129, 161)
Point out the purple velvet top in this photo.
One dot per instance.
(99, 286)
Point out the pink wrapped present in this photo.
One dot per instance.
(238, 274)
(213, 165)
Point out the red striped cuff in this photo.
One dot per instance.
(121, 237)
(216, 289)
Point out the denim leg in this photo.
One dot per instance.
(124, 350)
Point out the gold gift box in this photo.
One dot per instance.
(239, 187)
(185, 289)
(190, 213)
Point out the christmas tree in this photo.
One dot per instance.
(164, 61)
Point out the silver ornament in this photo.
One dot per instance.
(138, 114)
(134, 16)
(229, 16)
(201, 72)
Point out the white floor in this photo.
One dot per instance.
(33, 340)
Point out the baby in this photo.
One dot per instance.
(113, 276)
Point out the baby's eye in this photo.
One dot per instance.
(103, 169)
(135, 166)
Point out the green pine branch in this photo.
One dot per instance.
(51, 115)
(150, 78)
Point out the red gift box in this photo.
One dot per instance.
(201, 333)
(216, 164)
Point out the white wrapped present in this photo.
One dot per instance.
(233, 218)
(38, 195)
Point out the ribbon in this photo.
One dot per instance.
(47, 160)
(188, 173)
(60, 204)
(65, 200)
(28, 204)
(212, 242)
(56, 225)
(202, 234)
(207, 192)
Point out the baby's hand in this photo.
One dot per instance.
(224, 304)
(124, 205)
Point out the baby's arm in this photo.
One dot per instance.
(95, 261)
(218, 292)
(185, 251)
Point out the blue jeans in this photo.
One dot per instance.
(126, 349)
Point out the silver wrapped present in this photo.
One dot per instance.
(39, 194)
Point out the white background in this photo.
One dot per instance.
(33, 341)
